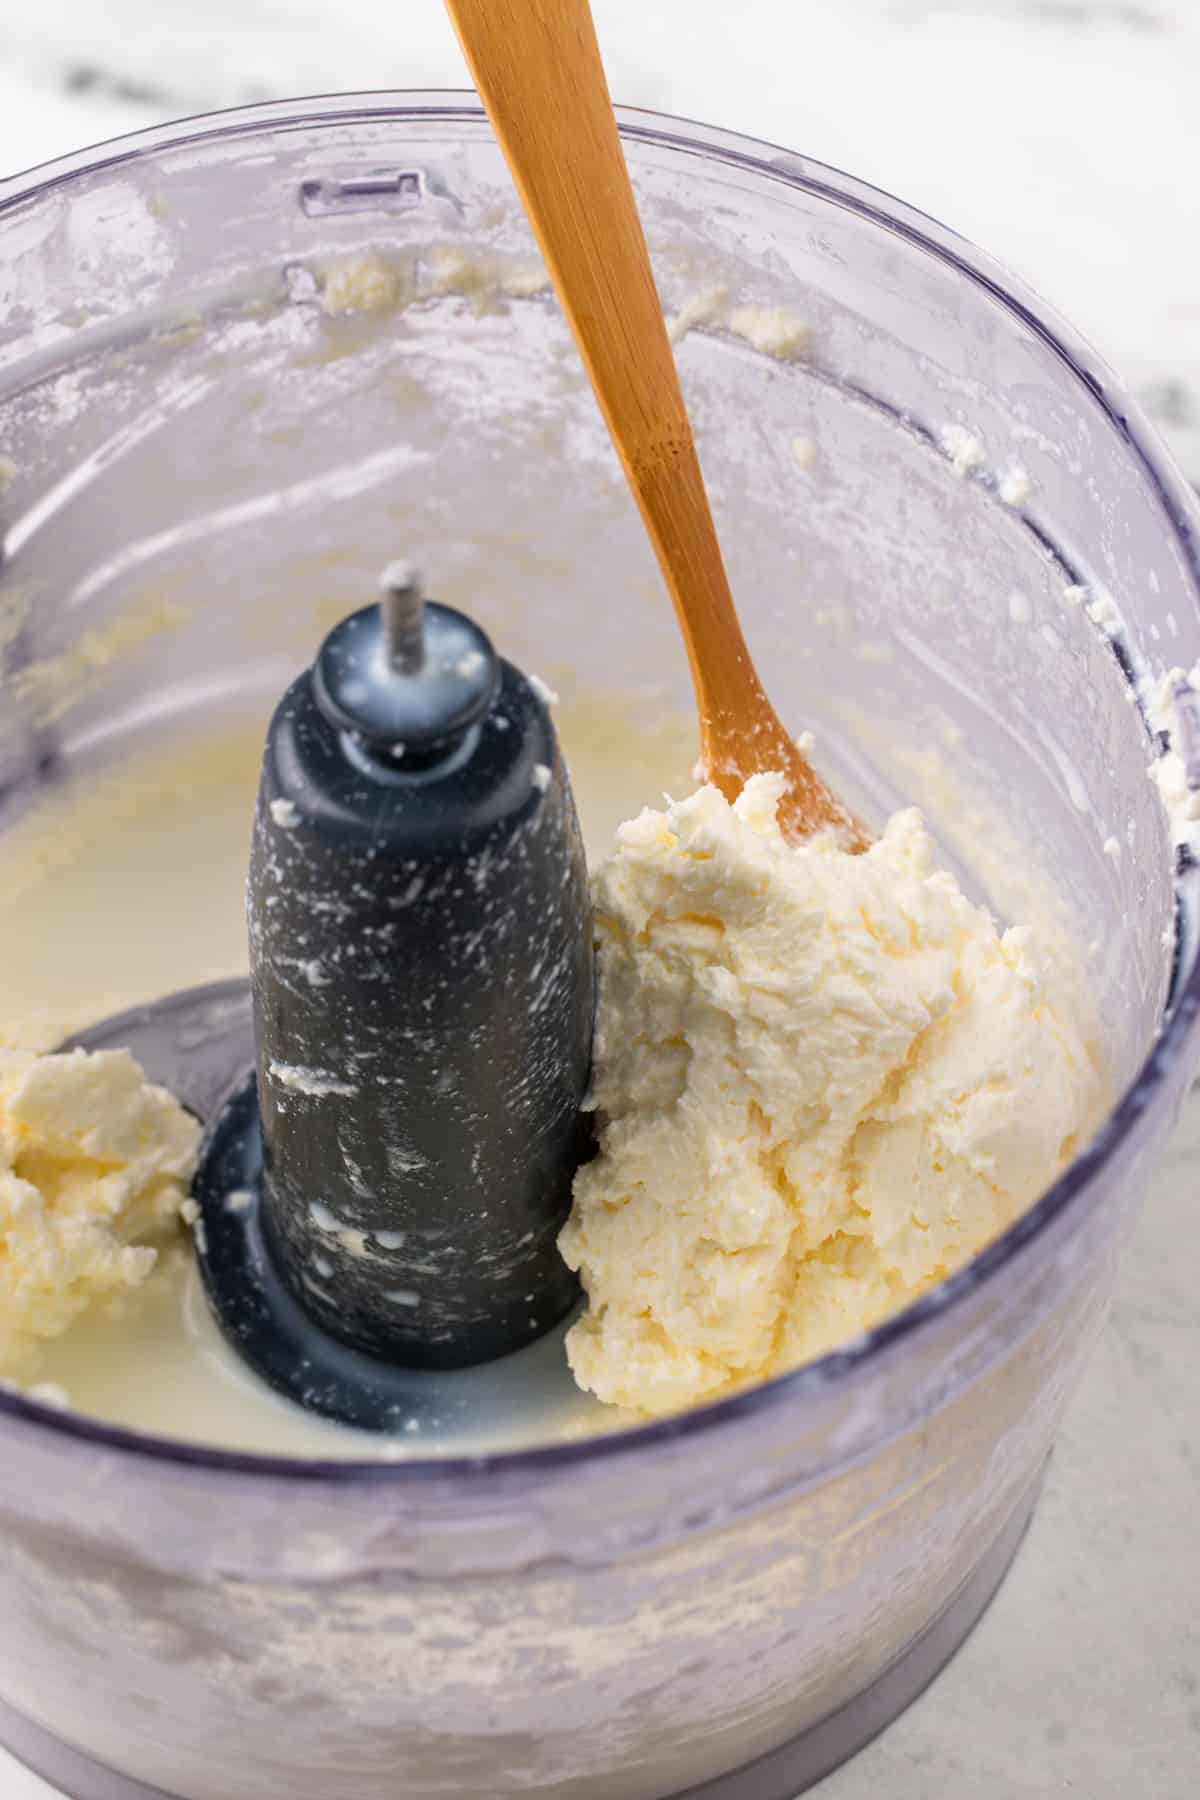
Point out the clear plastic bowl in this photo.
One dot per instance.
(770, 1577)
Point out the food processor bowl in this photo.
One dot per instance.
(244, 361)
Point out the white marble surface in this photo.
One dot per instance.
(1061, 134)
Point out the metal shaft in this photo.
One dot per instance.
(403, 607)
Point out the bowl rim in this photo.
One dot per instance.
(481, 1474)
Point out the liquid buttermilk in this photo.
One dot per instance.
(152, 854)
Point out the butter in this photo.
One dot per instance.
(94, 1168)
(823, 1082)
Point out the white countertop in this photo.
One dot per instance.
(1061, 135)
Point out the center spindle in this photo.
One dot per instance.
(421, 968)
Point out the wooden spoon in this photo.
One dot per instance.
(537, 67)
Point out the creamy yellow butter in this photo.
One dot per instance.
(95, 1164)
(824, 1081)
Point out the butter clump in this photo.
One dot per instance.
(95, 1164)
(823, 1082)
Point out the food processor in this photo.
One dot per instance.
(244, 358)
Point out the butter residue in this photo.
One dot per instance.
(381, 283)
(377, 282)
(964, 449)
(772, 330)
(482, 277)
(1015, 486)
(366, 283)
(1175, 712)
(317, 1084)
(94, 1167)
(823, 1082)
(53, 685)
(708, 306)
(14, 614)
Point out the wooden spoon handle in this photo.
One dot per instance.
(538, 69)
(555, 121)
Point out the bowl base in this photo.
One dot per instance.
(781, 1774)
